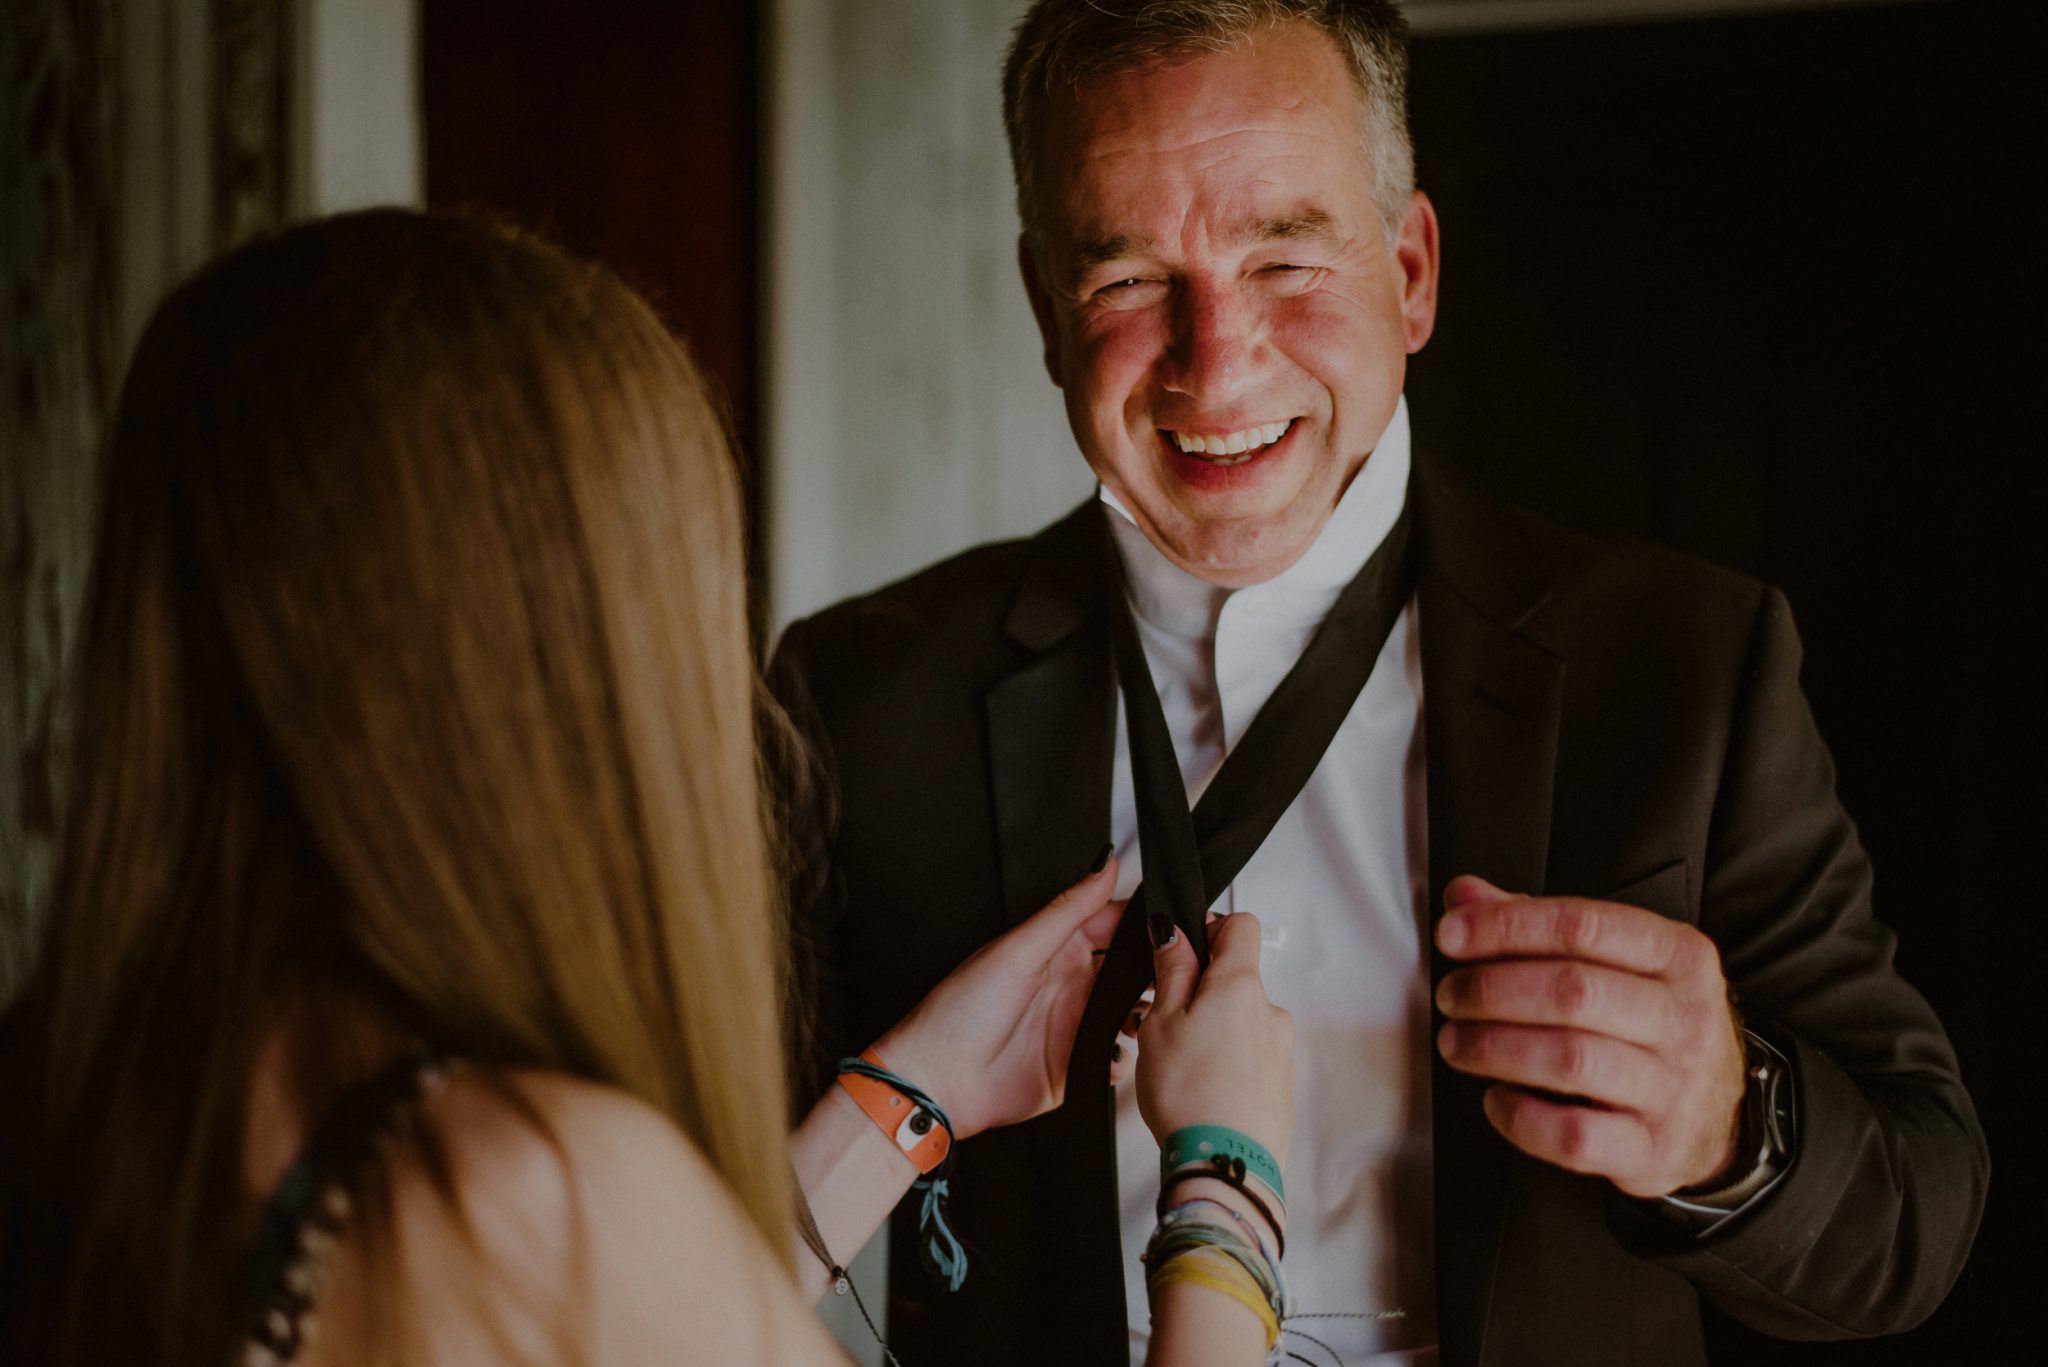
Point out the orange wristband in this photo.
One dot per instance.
(911, 1128)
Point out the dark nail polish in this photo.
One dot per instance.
(1164, 931)
(1102, 860)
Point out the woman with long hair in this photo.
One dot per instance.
(413, 969)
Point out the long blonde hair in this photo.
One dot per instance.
(416, 673)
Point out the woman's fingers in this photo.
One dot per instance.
(1042, 935)
(1174, 971)
(1214, 1049)
(1234, 944)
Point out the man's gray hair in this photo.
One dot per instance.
(1061, 43)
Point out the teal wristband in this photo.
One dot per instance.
(1207, 1143)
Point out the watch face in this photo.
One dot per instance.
(1772, 1088)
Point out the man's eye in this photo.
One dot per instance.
(1290, 277)
(1129, 292)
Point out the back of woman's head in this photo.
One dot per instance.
(415, 676)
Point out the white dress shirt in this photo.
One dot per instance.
(1340, 888)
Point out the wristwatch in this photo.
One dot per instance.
(1769, 1121)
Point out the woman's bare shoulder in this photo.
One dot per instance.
(546, 1219)
(573, 1154)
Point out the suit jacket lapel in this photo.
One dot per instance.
(1051, 734)
(1490, 708)
(1052, 721)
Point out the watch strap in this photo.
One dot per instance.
(1768, 1110)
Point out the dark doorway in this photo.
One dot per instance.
(1763, 289)
(627, 131)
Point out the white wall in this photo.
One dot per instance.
(358, 107)
(908, 413)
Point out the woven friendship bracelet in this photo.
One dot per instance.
(1187, 1210)
(1208, 1267)
(1225, 1255)
(1170, 1240)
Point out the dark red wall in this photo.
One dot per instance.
(628, 132)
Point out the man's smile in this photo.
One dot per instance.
(1228, 448)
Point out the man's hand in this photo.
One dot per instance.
(1609, 1028)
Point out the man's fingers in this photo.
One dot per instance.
(1569, 1062)
(1579, 1138)
(1574, 928)
(1569, 992)
(1467, 887)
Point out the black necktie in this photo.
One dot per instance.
(1191, 857)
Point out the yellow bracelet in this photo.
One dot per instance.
(1218, 1272)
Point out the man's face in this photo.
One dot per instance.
(1212, 273)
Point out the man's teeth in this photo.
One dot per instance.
(1239, 444)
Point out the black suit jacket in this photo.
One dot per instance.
(1602, 718)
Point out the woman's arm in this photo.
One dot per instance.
(989, 1045)
(1214, 1050)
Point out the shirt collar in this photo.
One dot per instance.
(1169, 598)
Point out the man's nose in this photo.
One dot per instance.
(1217, 346)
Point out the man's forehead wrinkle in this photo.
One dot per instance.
(1309, 224)
(1106, 145)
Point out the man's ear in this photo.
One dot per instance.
(1041, 309)
(1416, 251)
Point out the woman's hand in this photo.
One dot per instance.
(1213, 1049)
(990, 1043)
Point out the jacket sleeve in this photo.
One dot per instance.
(1877, 1211)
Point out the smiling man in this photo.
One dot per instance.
(1226, 304)
(1566, 807)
